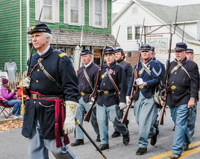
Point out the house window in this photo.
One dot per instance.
(74, 11)
(137, 33)
(98, 12)
(50, 12)
(129, 33)
(47, 13)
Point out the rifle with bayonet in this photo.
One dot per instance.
(33, 46)
(79, 63)
(22, 87)
(183, 32)
(87, 116)
(161, 119)
(117, 37)
(135, 86)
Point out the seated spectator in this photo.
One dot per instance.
(10, 99)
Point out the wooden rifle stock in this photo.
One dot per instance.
(161, 119)
(135, 86)
(87, 116)
(133, 93)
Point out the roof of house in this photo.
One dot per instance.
(167, 14)
(74, 37)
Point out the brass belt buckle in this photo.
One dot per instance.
(173, 87)
(34, 96)
(141, 87)
(82, 93)
(106, 92)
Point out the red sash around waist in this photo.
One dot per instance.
(58, 104)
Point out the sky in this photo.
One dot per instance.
(119, 4)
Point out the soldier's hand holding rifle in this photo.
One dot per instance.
(162, 103)
(128, 101)
(191, 102)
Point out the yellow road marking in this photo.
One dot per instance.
(190, 152)
(170, 152)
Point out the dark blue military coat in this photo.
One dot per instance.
(118, 75)
(128, 68)
(179, 78)
(152, 80)
(163, 69)
(60, 67)
(84, 86)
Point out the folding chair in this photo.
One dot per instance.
(5, 109)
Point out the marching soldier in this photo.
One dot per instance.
(119, 57)
(53, 84)
(181, 97)
(145, 109)
(192, 115)
(111, 98)
(86, 78)
(128, 68)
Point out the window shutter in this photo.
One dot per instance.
(57, 11)
(66, 12)
(105, 14)
(37, 9)
(91, 12)
(82, 15)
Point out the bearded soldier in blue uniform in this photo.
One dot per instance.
(111, 98)
(182, 95)
(53, 84)
(145, 109)
(87, 75)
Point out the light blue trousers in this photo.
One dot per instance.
(181, 134)
(191, 120)
(80, 115)
(103, 114)
(38, 147)
(145, 111)
(16, 103)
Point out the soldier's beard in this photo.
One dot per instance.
(178, 58)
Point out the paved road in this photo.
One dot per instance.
(14, 146)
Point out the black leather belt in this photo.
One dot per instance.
(106, 92)
(142, 87)
(36, 96)
(173, 87)
(83, 94)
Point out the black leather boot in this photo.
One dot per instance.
(126, 138)
(115, 134)
(103, 147)
(77, 142)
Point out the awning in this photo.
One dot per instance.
(64, 37)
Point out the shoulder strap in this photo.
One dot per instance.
(174, 69)
(183, 69)
(88, 78)
(48, 75)
(113, 82)
(35, 67)
(144, 66)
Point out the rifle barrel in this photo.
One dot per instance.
(78, 123)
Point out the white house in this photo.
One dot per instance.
(131, 17)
